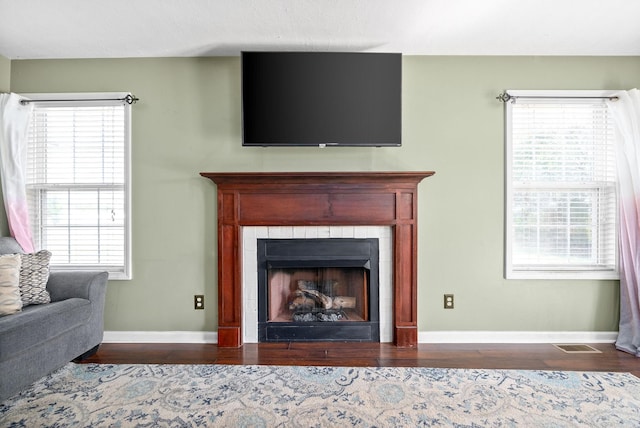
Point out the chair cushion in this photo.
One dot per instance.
(41, 323)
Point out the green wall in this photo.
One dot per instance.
(5, 74)
(188, 120)
(5, 80)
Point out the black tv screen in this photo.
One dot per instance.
(321, 99)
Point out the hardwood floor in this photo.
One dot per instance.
(490, 356)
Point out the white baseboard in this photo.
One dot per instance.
(423, 337)
(160, 337)
(517, 336)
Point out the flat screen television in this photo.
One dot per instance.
(321, 99)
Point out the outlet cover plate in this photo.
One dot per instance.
(448, 301)
(198, 301)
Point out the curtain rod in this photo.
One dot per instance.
(129, 99)
(505, 97)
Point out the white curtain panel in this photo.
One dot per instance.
(14, 122)
(626, 113)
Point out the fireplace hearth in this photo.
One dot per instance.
(317, 199)
(318, 290)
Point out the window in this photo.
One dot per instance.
(561, 204)
(78, 181)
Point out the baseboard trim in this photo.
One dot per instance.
(517, 336)
(423, 337)
(160, 337)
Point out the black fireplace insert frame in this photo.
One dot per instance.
(318, 253)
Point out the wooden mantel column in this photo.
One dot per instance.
(317, 199)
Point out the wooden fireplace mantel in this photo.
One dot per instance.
(316, 199)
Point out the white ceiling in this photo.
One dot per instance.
(31, 29)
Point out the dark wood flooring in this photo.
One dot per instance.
(489, 356)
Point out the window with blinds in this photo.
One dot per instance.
(78, 182)
(561, 192)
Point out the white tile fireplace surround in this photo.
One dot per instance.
(250, 235)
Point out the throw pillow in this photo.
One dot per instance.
(10, 302)
(34, 275)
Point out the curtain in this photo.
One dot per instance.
(14, 122)
(626, 114)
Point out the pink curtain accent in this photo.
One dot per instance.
(14, 123)
(626, 113)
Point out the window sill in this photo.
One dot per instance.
(113, 275)
(564, 275)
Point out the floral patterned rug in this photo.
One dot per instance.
(105, 395)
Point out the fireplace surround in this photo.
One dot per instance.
(316, 199)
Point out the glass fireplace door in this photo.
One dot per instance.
(318, 290)
(318, 295)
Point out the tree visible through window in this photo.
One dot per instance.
(561, 187)
(78, 182)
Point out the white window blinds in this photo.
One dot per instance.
(77, 184)
(561, 189)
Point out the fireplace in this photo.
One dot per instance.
(318, 290)
(317, 199)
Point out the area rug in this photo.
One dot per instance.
(105, 395)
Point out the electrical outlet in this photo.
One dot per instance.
(198, 301)
(448, 301)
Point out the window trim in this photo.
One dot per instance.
(84, 98)
(533, 272)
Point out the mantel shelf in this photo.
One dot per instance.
(351, 177)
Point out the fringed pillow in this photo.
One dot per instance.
(10, 302)
(34, 274)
